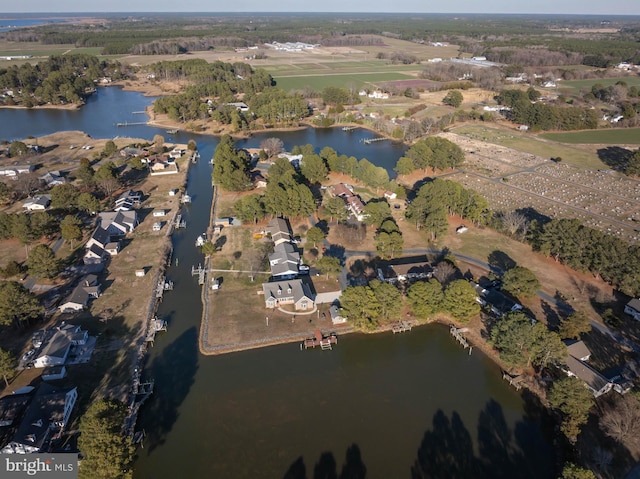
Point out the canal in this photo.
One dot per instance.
(384, 406)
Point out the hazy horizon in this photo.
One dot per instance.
(453, 7)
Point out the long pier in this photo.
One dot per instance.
(127, 123)
(200, 273)
(457, 334)
(368, 141)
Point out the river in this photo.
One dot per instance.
(391, 406)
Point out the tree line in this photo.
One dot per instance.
(59, 79)
(542, 116)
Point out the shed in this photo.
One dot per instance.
(140, 273)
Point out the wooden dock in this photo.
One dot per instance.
(155, 325)
(127, 123)
(163, 285)
(401, 326)
(368, 141)
(515, 381)
(179, 222)
(200, 273)
(457, 334)
(324, 341)
(141, 392)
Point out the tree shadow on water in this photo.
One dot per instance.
(174, 372)
(447, 449)
(327, 468)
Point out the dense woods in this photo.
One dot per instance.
(57, 80)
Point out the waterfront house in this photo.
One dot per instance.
(128, 200)
(44, 419)
(118, 223)
(632, 308)
(57, 344)
(578, 350)
(292, 291)
(87, 288)
(595, 382)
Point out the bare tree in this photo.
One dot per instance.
(621, 420)
(27, 184)
(272, 146)
(444, 272)
(512, 222)
(109, 185)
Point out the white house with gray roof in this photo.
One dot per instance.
(292, 291)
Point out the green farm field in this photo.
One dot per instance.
(575, 86)
(532, 144)
(318, 82)
(625, 136)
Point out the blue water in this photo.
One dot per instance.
(381, 406)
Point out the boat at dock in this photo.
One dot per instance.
(200, 240)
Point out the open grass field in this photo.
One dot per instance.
(531, 144)
(575, 86)
(321, 81)
(626, 136)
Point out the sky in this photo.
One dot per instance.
(599, 7)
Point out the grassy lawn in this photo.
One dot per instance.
(531, 144)
(320, 81)
(575, 86)
(630, 136)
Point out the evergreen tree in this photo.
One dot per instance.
(107, 455)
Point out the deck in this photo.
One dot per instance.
(325, 341)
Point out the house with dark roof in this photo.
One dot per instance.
(94, 255)
(118, 223)
(632, 308)
(128, 200)
(79, 298)
(595, 382)
(57, 344)
(12, 407)
(342, 190)
(44, 419)
(279, 230)
(53, 178)
(100, 237)
(284, 261)
(498, 303)
(578, 350)
(292, 291)
(37, 203)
